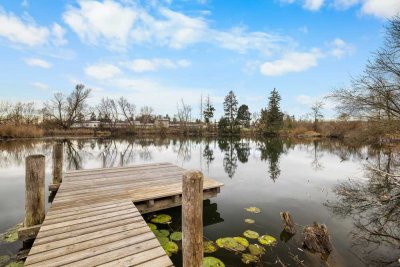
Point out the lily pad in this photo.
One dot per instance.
(163, 240)
(209, 247)
(242, 241)
(253, 210)
(11, 235)
(152, 226)
(212, 262)
(248, 258)
(170, 247)
(230, 243)
(162, 232)
(15, 264)
(249, 221)
(267, 240)
(176, 236)
(162, 219)
(251, 234)
(4, 259)
(256, 249)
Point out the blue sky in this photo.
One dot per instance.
(157, 52)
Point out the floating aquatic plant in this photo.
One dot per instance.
(162, 232)
(248, 258)
(242, 241)
(256, 249)
(253, 210)
(249, 221)
(152, 226)
(170, 247)
(15, 264)
(230, 243)
(212, 262)
(267, 240)
(209, 247)
(4, 259)
(176, 236)
(251, 234)
(162, 219)
(11, 235)
(163, 240)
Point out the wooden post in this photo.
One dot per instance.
(192, 219)
(57, 163)
(34, 190)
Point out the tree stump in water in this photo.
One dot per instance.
(316, 239)
(289, 225)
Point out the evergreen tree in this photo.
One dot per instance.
(272, 117)
(230, 109)
(208, 112)
(244, 116)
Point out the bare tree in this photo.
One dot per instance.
(67, 110)
(376, 93)
(316, 112)
(146, 113)
(184, 114)
(109, 110)
(127, 110)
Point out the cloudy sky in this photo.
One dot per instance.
(157, 52)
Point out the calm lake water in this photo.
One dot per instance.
(323, 181)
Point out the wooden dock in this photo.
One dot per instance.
(95, 218)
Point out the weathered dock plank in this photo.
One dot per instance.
(95, 218)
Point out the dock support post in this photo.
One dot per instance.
(34, 190)
(192, 219)
(57, 163)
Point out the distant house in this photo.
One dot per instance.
(161, 122)
(86, 124)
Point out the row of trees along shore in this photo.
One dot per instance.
(367, 109)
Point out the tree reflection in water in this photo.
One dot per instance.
(374, 207)
(208, 154)
(230, 155)
(271, 150)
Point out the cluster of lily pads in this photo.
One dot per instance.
(251, 245)
(165, 237)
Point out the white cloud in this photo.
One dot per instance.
(58, 33)
(21, 32)
(102, 71)
(106, 21)
(39, 85)
(144, 65)
(344, 4)
(37, 62)
(292, 62)
(378, 8)
(381, 8)
(121, 25)
(313, 5)
(25, 4)
(340, 48)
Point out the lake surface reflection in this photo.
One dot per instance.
(345, 187)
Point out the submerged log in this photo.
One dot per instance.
(289, 225)
(316, 239)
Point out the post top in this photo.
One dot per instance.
(193, 175)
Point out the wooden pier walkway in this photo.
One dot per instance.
(95, 218)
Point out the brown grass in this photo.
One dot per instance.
(20, 131)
